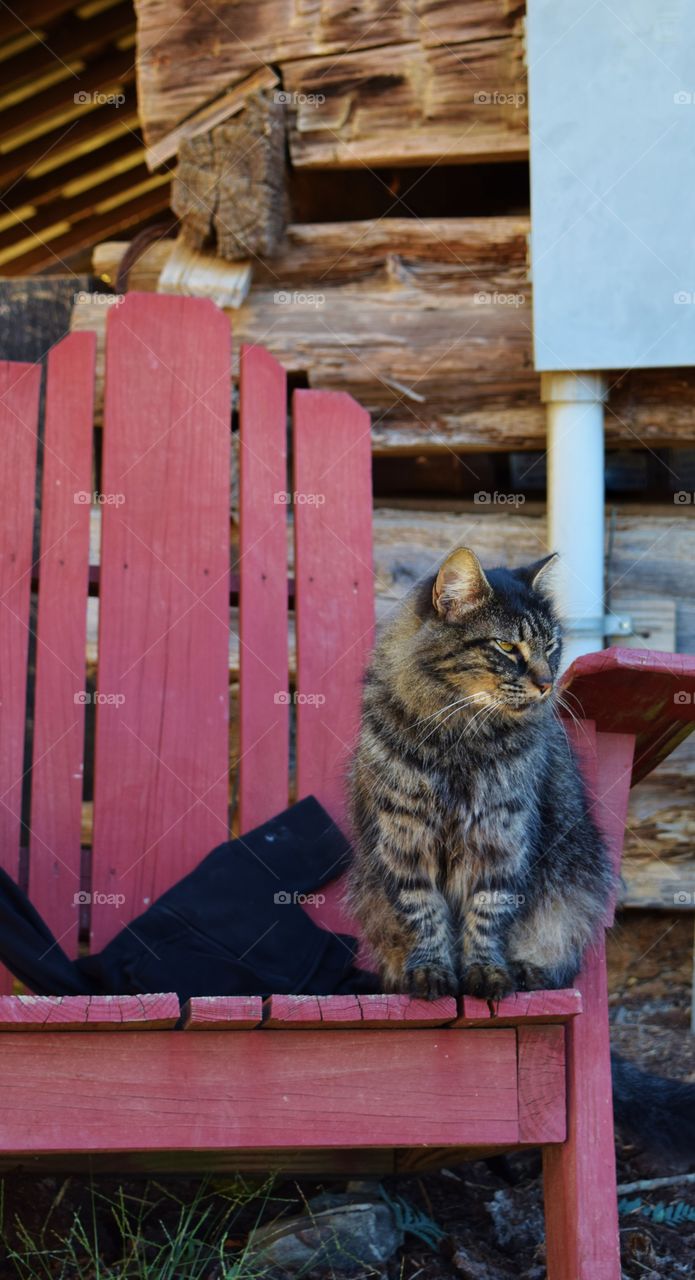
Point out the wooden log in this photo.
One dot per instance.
(229, 188)
(398, 83)
(345, 303)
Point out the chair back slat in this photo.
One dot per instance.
(334, 585)
(19, 409)
(161, 767)
(59, 705)
(263, 655)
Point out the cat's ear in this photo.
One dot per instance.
(533, 574)
(460, 585)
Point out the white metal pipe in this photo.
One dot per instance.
(576, 502)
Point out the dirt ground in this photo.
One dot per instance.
(489, 1212)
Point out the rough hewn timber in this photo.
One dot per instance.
(399, 80)
(428, 324)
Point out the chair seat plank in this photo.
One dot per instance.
(522, 1008)
(162, 742)
(88, 1013)
(347, 1012)
(264, 733)
(219, 1013)
(19, 408)
(59, 708)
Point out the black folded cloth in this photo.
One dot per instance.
(233, 926)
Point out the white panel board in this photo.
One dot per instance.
(612, 124)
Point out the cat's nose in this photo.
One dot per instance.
(541, 676)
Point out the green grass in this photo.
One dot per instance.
(155, 1235)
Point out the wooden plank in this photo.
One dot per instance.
(58, 747)
(581, 1212)
(334, 599)
(333, 585)
(522, 1008)
(161, 765)
(153, 1092)
(19, 407)
(217, 1013)
(332, 1163)
(346, 1012)
(264, 732)
(210, 115)
(88, 1013)
(614, 764)
(542, 1090)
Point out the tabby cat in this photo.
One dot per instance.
(478, 867)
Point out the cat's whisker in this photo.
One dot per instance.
(461, 702)
(438, 726)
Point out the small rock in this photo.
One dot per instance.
(350, 1237)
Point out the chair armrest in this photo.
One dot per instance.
(640, 692)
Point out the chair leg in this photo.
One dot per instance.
(581, 1210)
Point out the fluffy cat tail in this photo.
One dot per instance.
(658, 1111)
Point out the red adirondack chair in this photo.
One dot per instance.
(371, 1084)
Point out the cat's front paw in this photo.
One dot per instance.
(430, 981)
(487, 981)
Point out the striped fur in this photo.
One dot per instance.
(478, 867)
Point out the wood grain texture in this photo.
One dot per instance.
(470, 364)
(637, 692)
(161, 766)
(334, 598)
(88, 1013)
(520, 1009)
(614, 768)
(395, 82)
(542, 1088)
(19, 406)
(264, 727)
(581, 1211)
(215, 1013)
(347, 1012)
(169, 1092)
(57, 772)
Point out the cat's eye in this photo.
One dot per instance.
(505, 646)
